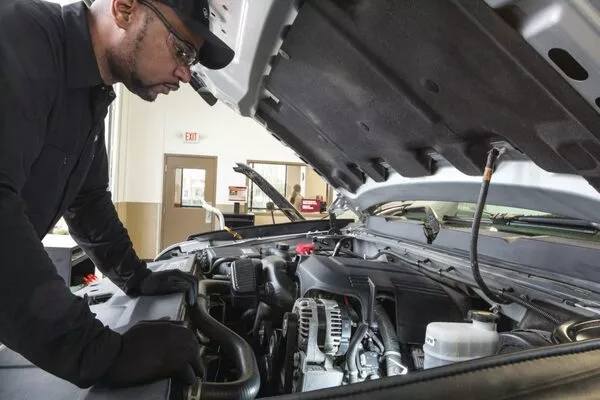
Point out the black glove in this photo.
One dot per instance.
(155, 350)
(171, 281)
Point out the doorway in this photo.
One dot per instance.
(187, 180)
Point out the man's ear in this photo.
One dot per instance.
(123, 12)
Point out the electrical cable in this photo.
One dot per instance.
(485, 185)
(527, 304)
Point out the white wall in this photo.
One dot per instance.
(147, 131)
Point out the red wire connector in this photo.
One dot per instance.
(305, 249)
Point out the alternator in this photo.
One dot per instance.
(324, 328)
(324, 331)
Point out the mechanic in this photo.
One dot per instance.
(56, 71)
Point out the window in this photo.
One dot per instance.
(283, 177)
(189, 187)
(276, 175)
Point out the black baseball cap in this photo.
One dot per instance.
(214, 54)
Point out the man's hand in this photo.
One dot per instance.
(171, 281)
(155, 350)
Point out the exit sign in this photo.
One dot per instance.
(191, 137)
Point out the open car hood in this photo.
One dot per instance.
(396, 100)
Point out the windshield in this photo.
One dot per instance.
(520, 221)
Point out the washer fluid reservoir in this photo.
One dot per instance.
(450, 342)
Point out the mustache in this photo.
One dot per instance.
(172, 86)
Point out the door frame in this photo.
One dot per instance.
(163, 209)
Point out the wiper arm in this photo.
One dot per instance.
(570, 225)
(542, 221)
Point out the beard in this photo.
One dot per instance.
(138, 87)
(124, 67)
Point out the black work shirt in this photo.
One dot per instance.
(53, 162)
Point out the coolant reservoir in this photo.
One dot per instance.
(450, 342)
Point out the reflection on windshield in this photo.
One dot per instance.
(468, 210)
(453, 209)
(520, 221)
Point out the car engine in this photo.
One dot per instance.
(318, 315)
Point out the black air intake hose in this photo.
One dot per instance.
(220, 261)
(234, 348)
(279, 284)
(393, 358)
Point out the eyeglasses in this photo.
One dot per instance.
(184, 52)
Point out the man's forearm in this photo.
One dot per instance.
(94, 224)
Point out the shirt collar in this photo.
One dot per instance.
(82, 67)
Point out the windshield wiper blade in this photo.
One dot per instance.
(545, 221)
(563, 224)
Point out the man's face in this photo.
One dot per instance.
(150, 58)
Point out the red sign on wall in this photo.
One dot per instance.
(191, 137)
(311, 205)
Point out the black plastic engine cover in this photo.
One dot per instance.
(419, 300)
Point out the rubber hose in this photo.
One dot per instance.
(262, 312)
(220, 261)
(485, 185)
(393, 359)
(233, 347)
(532, 307)
(377, 341)
(361, 330)
(279, 284)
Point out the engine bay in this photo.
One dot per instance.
(295, 313)
(318, 313)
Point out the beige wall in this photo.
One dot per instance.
(141, 222)
(294, 177)
(144, 132)
(265, 219)
(315, 185)
(147, 131)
